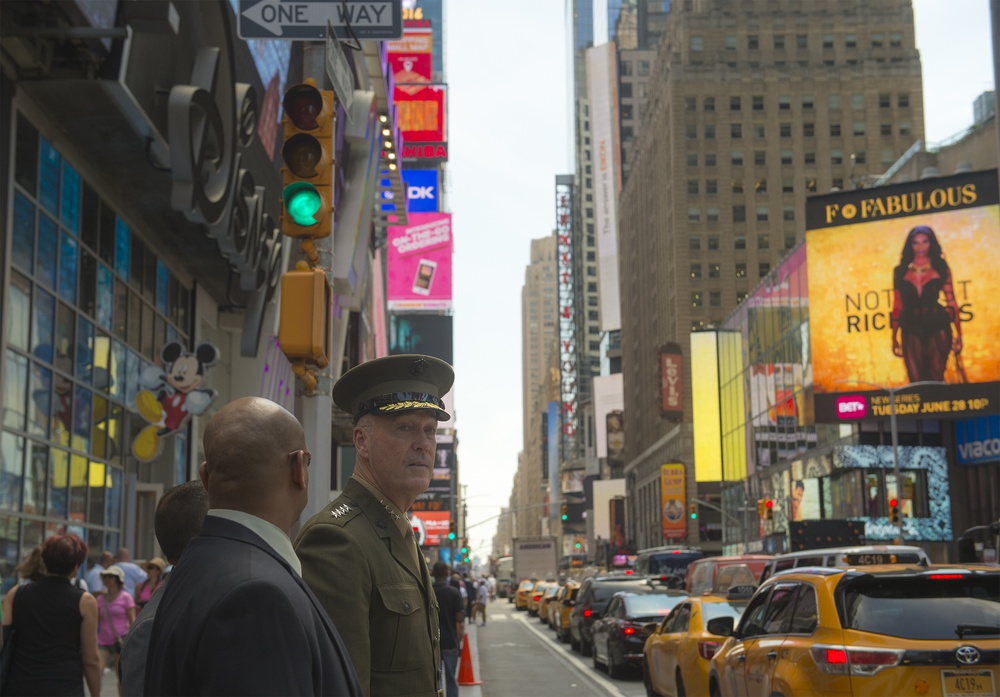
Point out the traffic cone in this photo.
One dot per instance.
(466, 674)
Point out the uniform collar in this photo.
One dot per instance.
(398, 516)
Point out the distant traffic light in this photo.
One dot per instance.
(894, 511)
(451, 530)
(304, 315)
(565, 512)
(307, 193)
(761, 508)
(768, 509)
(694, 510)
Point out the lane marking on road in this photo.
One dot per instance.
(564, 654)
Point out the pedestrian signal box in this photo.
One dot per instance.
(307, 150)
(305, 313)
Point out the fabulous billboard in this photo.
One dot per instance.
(903, 289)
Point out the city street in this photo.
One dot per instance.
(519, 655)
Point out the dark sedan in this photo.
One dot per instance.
(591, 600)
(619, 636)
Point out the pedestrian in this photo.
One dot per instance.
(115, 614)
(492, 581)
(178, 518)
(458, 583)
(133, 572)
(359, 553)
(451, 617)
(236, 617)
(484, 598)
(55, 645)
(471, 598)
(94, 583)
(154, 577)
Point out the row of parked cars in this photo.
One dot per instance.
(845, 621)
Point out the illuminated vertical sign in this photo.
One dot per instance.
(672, 503)
(567, 325)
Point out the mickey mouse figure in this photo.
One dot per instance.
(172, 394)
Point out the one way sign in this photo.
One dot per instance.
(305, 20)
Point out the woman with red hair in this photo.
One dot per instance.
(54, 627)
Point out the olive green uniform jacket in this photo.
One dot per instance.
(358, 564)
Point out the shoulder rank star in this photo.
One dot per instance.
(340, 510)
(395, 516)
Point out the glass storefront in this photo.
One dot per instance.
(89, 306)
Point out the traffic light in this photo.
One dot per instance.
(768, 509)
(694, 511)
(565, 512)
(465, 547)
(894, 511)
(451, 530)
(304, 313)
(307, 150)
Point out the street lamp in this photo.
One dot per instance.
(895, 433)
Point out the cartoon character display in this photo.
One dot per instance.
(171, 394)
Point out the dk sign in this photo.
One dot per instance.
(306, 20)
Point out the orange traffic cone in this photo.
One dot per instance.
(466, 674)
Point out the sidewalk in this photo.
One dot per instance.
(471, 690)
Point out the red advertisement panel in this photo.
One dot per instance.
(421, 112)
(430, 527)
(671, 382)
(410, 58)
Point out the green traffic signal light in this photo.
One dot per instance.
(565, 517)
(465, 550)
(451, 536)
(303, 202)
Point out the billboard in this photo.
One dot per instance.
(422, 112)
(429, 527)
(410, 57)
(705, 391)
(903, 287)
(673, 503)
(671, 383)
(602, 78)
(422, 188)
(553, 442)
(566, 301)
(430, 335)
(978, 440)
(609, 398)
(418, 258)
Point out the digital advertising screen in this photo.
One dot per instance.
(418, 258)
(903, 288)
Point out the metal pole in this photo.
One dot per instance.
(895, 461)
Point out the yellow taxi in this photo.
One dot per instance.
(523, 592)
(547, 597)
(535, 597)
(560, 608)
(904, 629)
(678, 651)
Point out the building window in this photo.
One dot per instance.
(884, 100)
(739, 242)
(691, 131)
(827, 40)
(836, 157)
(763, 241)
(710, 159)
(709, 131)
(859, 157)
(810, 157)
(858, 128)
(808, 130)
(758, 102)
(833, 101)
(741, 295)
(888, 157)
(759, 131)
(834, 130)
(801, 41)
(905, 128)
(694, 243)
(885, 129)
(753, 42)
(715, 298)
(895, 39)
(626, 112)
(696, 299)
(851, 40)
(711, 186)
(741, 270)
(690, 103)
(696, 43)
(779, 42)
(739, 214)
(877, 40)
(784, 102)
(736, 158)
(729, 42)
(760, 186)
(713, 243)
(858, 101)
(759, 157)
(764, 269)
(695, 270)
(762, 213)
(903, 101)
(643, 68)
(709, 104)
(714, 271)
(788, 213)
(712, 214)
(785, 130)
(692, 159)
(735, 130)
(786, 186)
(789, 240)
(811, 184)
(737, 186)
(692, 186)
(837, 183)
(641, 90)
(734, 104)
(807, 102)
(694, 215)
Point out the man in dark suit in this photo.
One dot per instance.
(236, 617)
(359, 553)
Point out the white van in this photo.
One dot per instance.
(862, 555)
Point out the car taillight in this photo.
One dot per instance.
(586, 612)
(537, 597)
(707, 649)
(847, 660)
(946, 577)
(628, 630)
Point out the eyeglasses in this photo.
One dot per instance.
(306, 455)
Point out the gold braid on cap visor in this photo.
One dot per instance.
(399, 401)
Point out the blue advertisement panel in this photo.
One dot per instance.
(422, 186)
(978, 440)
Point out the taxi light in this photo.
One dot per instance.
(946, 577)
(707, 649)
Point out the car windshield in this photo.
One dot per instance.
(651, 604)
(604, 591)
(945, 606)
(711, 611)
(670, 563)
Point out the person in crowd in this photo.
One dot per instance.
(32, 567)
(359, 554)
(133, 572)
(491, 580)
(451, 617)
(116, 613)
(178, 518)
(154, 577)
(94, 584)
(458, 583)
(484, 598)
(55, 627)
(236, 617)
(471, 597)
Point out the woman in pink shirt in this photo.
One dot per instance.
(115, 614)
(154, 578)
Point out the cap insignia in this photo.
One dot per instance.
(419, 367)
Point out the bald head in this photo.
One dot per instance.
(247, 444)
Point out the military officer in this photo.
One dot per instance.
(359, 554)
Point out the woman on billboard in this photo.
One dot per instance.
(921, 325)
